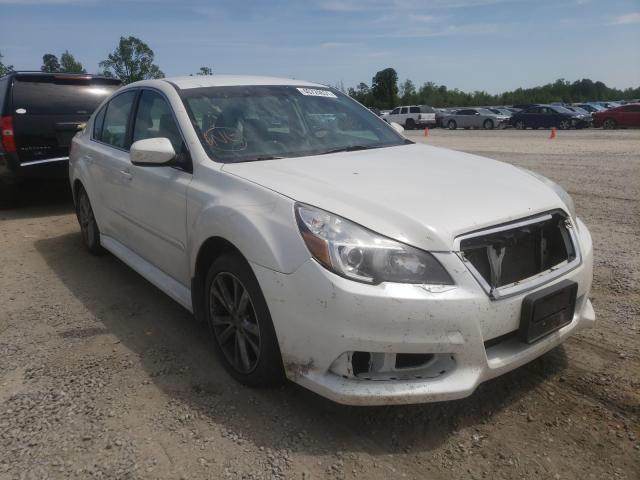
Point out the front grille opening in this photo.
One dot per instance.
(512, 255)
(411, 360)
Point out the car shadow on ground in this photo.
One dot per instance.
(37, 199)
(146, 322)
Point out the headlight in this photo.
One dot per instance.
(355, 252)
(561, 192)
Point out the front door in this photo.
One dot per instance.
(156, 200)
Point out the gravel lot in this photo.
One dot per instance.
(103, 376)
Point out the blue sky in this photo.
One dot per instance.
(491, 45)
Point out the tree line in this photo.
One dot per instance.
(386, 92)
(131, 61)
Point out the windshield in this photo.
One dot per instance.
(246, 123)
(560, 109)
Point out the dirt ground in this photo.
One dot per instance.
(103, 376)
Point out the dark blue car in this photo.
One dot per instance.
(547, 116)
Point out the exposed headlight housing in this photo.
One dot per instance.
(561, 192)
(357, 253)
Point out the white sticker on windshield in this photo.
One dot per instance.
(314, 92)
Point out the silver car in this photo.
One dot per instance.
(474, 118)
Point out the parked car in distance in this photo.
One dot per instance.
(582, 114)
(590, 107)
(500, 111)
(607, 105)
(627, 115)
(547, 116)
(40, 113)
(320, 244)
(474, 118)
(412, 116)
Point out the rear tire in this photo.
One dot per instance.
(244, 338)
(488, 125)
(88, 225)
(452, 125)
(609, 124)
(8, 195)
(410, 124)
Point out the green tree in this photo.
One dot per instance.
(4, 69)
(131, 61)
(205, 71)
(69, 64)
(50, 63)
(384, 88)
(362, 93)
(408, 92)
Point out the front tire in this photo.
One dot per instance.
(239, 320)
(88, 225)
(488, 125)
(564, 125)
(452, 125)
(520, 125)
(609, 124)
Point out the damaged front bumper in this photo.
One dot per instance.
(396, 343)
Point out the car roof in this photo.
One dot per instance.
(61, 75)
(200, 81)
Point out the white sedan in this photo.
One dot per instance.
(321, 245)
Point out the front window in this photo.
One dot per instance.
(246, 123)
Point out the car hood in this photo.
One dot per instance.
(418, 194)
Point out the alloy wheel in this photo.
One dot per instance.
(234, 322)
(565, 125)
(520, 125)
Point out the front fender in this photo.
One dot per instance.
(258, 222)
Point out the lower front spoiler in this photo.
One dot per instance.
(460, 383)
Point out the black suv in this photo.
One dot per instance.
(39, 115)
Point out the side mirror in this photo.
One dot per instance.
(152, 152)
(397, 127)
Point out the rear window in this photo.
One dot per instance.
(414, 110)
(60, 97)
(427, 109)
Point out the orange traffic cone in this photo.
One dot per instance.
(426, 132)
(554, 133)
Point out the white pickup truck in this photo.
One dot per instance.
(412, 116)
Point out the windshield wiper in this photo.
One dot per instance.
(350, 148)
(258, 158)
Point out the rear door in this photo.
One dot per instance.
(47, 110)
(108, 163)
(629, 115)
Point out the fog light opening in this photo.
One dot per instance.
(361, 362)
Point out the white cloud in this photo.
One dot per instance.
(421, 18)
(628, 19)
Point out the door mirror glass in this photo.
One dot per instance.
(397, 127)
(152, 152)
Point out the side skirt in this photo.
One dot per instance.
(157, 277)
